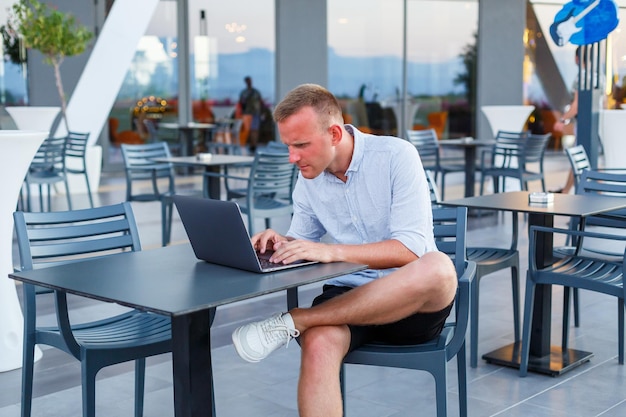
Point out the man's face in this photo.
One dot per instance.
(311, 146)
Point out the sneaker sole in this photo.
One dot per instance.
(240, 351)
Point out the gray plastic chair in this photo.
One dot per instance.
(140, 167)
(433, 356)
(578, 160)
(427, 145)
(589, 272)
(46, 169)
(510, 158)
(268, 190)
(593, 182)
(270, 185)
(76, 147)
(488, 260)
(45, 239)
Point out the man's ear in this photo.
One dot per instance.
(336, 133)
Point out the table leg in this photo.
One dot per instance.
(191, 359)
(186, 147)
(470, 170)
(213, 183)
(543, 357)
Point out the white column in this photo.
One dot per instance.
(17, 148)
(102, 78)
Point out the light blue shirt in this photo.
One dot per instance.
(385, 197)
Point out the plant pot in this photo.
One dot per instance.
(34, 117)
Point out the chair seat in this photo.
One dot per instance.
(42, 176)
(491, 257)
(128, 330)
(388, 352)
(586, 273)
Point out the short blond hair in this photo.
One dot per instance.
(315, 96)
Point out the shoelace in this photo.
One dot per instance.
(276, 330)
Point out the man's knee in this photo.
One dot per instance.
(435, 275)
(325, 342)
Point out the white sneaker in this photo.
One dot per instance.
(255, 341)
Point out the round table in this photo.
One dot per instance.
(17, 149)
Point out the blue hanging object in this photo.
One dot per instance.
(583, 22)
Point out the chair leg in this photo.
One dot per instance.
(620, 332)
(28, 362)
(89, 190)
(140, 379)
(441, 391)
(474, 321)
(69, 196)
(89, 389)
(462, 378)
(576, 309)
(565, 334)
(41, 207)
(166, 220)
(515, 293)
(528, 316)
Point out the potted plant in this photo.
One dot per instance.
(57, 35)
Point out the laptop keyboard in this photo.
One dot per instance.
(264, 260)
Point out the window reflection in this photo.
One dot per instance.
(228, 41)
(366, 63)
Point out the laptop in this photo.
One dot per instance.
(218, 235)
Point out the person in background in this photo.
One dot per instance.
(569, 116)
(369, 196)
(251, 104)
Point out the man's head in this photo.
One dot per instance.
(315, 96)
(310, 123)
(248, 81)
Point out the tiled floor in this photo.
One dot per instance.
(597, 388)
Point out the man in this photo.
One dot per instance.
(369, 196)
(251, 105)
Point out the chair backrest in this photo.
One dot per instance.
(535, 148)
(509, 147)
(579, 161)
(271, 173)
(48, 238)
(139, 165)
(432, 188)
(50, 156)
(425, 141)
(450, 227)
(76, 144)
(604, 183)
(138, 159)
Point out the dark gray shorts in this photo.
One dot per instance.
(412, 330)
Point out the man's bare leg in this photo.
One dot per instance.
(427, 285)
(319, 391)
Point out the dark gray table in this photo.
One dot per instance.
(469, 146)
(186, 131)
(214, 164)
(172, 282)
(544, 358)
